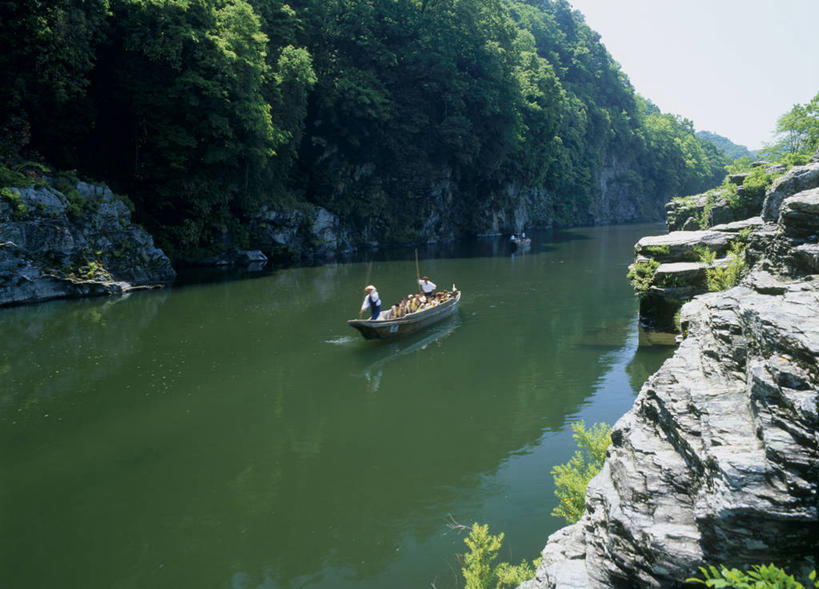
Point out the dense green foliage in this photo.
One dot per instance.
(725, 274)
(757, 577)
(797, 132)
(206, 110)
(572, 478)
(641, 275)
(479, 568)
(731, 150)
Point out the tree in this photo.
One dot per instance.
(181, 83)
(797, 131)
(49, 51)
(572, 478)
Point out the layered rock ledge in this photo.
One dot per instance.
(71, 243)
(717, 462)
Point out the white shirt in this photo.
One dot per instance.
(427, 286)
(375, 298)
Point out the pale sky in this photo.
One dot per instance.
(731, 66)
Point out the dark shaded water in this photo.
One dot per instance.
(239, 434)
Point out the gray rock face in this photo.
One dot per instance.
(699, 210)
(799, 178)
(678, 246)
(806, 257)
(717, 460)
(56, 247)
(737, 226)
(679, 273)
(301, 234)
(799, 214)
(695, 212)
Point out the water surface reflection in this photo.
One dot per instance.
(241, 434)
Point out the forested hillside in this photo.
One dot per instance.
(389, 114)
(728, 147)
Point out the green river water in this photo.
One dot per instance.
(240, 435)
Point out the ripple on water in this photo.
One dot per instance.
(343, 340)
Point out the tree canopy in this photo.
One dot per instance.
(797, 131)
(206, 110)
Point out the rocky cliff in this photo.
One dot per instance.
(74, 241)
(718, 460)
(437, 213)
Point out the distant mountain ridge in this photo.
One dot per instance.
(731, 149)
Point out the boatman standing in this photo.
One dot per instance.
(426, 286)
(371, 300)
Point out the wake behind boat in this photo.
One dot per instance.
(386, 327)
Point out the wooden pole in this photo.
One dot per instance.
(418, 273)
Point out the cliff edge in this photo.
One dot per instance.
(62, 239)
(717, 462)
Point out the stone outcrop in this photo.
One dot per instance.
(798, 179)
(83, 243)
(711, 208)
(438, 210)
(793, 200)
(680, 246)
(698, 211)
(301, 234)
(717, 462)
(680, 275)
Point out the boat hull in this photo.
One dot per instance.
(392, 328)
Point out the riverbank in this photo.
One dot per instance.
(63, 238)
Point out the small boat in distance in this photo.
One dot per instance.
(409, 323)
(520, 243)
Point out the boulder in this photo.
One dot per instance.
(679, 246)
(692, 212)
(799, 214)
(680, 274)
(806, 257)
(737, 226)
(304, 234)
(799, 178)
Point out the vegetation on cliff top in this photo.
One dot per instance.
(728, 147)
(204, 110)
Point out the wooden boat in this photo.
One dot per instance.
(410, 323)
(521, 243)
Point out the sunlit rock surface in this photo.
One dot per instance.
(718, 459)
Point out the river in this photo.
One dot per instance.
(238, 434)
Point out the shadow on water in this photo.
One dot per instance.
(488, 246)
(385, 352)
(655, 348)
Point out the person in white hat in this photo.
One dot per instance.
(371, 300)
(427, 286)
